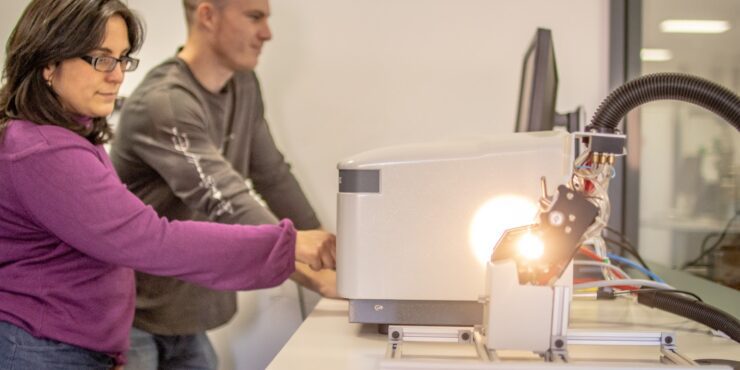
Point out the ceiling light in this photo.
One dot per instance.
(694, 26)
(655, 55)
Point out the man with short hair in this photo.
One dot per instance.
(192, 142)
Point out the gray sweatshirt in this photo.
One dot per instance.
(195, 155)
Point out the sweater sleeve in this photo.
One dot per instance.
(177, 145)
(70, 193)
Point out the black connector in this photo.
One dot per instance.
(608, 144)
(605, 293)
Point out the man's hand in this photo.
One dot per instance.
(317, 249)
(323, 282)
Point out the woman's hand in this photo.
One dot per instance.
(317, 249)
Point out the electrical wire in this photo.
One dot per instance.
(715, 245)
(706, 239)
(592, 179)
(600, 254)
(623, 282)
(609, 274)
(583, 281)
(588, 253)
(627, 246)
(603, 264)
(618, 233)
(635, 266)
(650, 290)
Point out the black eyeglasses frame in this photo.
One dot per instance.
(130, 63)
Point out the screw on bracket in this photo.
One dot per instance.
(556, 218)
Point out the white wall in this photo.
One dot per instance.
(10, 11)
(343, 76)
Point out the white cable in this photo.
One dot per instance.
(636, 282)
(600, 250)
(602, 264)
(584, 295)
(599, 175)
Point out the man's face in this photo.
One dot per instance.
(240, 32)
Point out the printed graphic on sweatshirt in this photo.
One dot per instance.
(207, 182)
(253, 192)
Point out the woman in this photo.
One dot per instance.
(70, 233)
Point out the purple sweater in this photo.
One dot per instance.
(70, 235)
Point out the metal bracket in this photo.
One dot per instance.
(666, 341)
(447, 334)
(558, 351)
(670, 352)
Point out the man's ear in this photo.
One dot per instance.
(206, 15)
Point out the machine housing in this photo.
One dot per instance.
(407, 249)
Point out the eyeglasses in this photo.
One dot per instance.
(108, 64)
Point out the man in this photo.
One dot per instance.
(193, 143)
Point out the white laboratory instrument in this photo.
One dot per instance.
(416, 224)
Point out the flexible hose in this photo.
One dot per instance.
(660, 86)
(695, 310)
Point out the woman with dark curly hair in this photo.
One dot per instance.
(70, 232)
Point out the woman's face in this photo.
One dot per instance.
(82, 89)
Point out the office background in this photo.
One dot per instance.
(344, 76)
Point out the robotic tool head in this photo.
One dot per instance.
(543, 251)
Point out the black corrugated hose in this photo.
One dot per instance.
(692, 309)
(691, 89)
(661, 86)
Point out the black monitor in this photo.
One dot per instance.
(539, 88)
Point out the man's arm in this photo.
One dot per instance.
(168, 132)
(272, 175)
(174, 141)
(276, 183)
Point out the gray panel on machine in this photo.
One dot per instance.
(398, 312)
(359, 181)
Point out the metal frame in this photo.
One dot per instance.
(625, 42)
(397, 335)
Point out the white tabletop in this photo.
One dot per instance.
(327, 341)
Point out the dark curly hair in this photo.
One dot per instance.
(49, 32)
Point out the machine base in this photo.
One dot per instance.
(401, 312)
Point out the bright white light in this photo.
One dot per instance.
(530, 247)
(496, 216)
(655, 55)
(694, 26)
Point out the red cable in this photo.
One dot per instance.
(587, 252)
